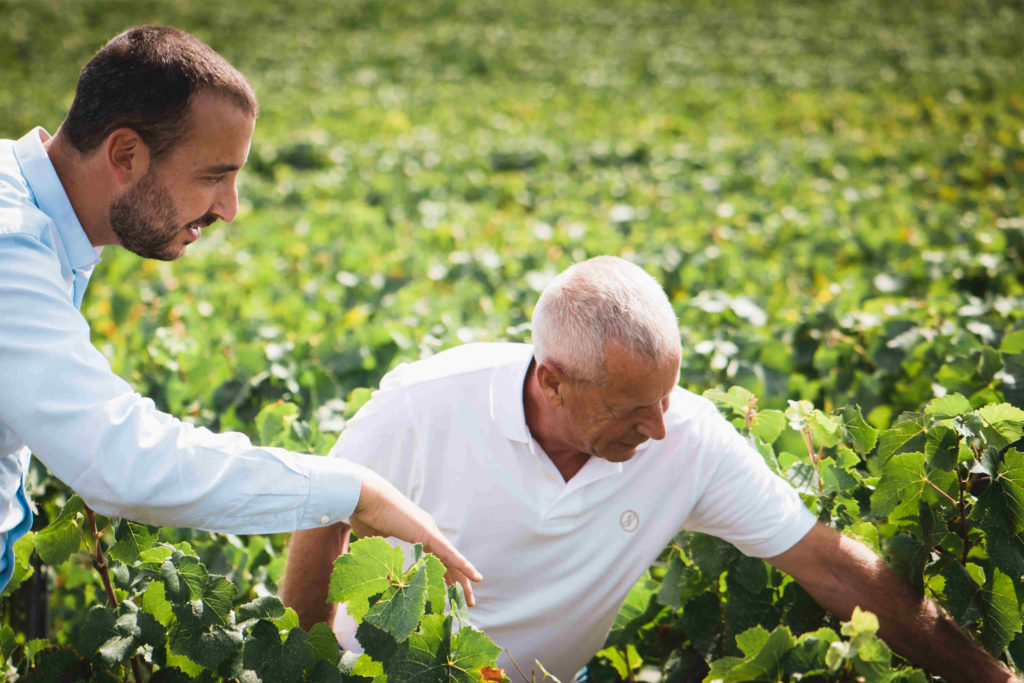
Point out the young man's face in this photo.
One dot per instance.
(610, 419)
(189, 188)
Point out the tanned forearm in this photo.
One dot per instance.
(307, 576)
(840, 574)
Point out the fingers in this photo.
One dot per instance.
(451, 577)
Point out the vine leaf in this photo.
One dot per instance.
(399, 609)
(636, 612)
(1002, 613)
(947, 406)
(436, 655)
(131, 538)
(368, 569)
(324, 643)
(272, 660)
(61, 538)
(906, 435)
(266, 607)
(905, 479)
(862, 436)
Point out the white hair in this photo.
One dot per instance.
(600, 301)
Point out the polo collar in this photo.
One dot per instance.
(51, 198)
(506, 395)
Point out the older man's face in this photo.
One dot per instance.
(610, 419)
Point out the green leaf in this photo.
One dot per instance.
(768, 425)
(942, 447)
(273, 422)
(905, 479)
(680, 583)
(57, 663)
(436, 589)
(156, 555)
(266, 607)
(862, 436)
(637, 610)
(8, 643)
(57, 542)
(324, 643)
(825, 430)
(1002, 613)
(907, 435)
(23, 549)
(399, 609)
(207, 645)
(949, 405)
(962, 595)
(131, 538)
(219, 596)
(1013, 342)
(154, 601)
(370, 567)
(435, 655)
(457, 599)
(272, 660)
(737, 400)
(763, 652)
(1005, 423)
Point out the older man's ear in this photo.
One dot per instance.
(551, 380)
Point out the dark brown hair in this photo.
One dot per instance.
(145, 79)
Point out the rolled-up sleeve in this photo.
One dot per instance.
(113, 447)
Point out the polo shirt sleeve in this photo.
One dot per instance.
(743, 501)
(113, 447)
(383, 437)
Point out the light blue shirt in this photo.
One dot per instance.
(60, 401)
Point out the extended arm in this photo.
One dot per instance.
(307, 575)
(841, 573)
(126, 458)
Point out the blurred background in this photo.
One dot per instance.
(831, 193)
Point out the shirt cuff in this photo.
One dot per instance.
(334, 488)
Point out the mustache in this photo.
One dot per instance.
(203, 221)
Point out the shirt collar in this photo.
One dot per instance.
(507, 395)
(50, 196)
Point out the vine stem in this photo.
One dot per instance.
(963, 516)
(806, 433)
(749, 413)
(99, 561)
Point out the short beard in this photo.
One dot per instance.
(143, 220)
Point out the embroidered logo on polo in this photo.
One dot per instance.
(629, 521)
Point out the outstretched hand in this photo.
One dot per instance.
(384, 511)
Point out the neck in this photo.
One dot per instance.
(544, 426)
(83, 179)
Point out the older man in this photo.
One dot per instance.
(147, 158)
(564, 468)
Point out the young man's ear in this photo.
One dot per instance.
(126, 155)
(552, 381)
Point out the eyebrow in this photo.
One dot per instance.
(220, 168)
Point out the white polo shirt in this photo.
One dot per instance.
(558, 558)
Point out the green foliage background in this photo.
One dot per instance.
(831, 194)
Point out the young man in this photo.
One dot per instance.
(563, 469)
(147, 158)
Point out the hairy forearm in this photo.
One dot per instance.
(840, 574)
(311, 556)
(912, 626)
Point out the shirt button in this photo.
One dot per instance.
(325, 519)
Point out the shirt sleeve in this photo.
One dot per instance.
(112, 446)
(744, 502)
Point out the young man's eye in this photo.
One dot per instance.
(216, 178)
